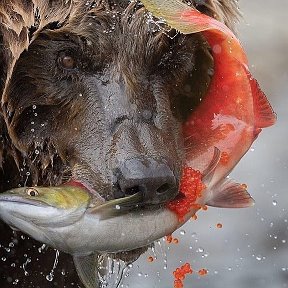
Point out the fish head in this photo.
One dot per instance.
(35, 209)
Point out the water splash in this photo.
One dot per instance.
(111, 271)
(41, 249)
(50, 276)
(28, 260)
(162, 250)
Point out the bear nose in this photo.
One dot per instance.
(153, 178)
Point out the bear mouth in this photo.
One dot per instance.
(125, 203)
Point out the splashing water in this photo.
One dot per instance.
(50, 276)
(160, 24)
(41, 249)
(28, 260)
(111, 271)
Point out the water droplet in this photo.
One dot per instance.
(117, 207)
(274, 202)
(34, 107)
(182, 232)
(140, 274)
(3, 259)
(49, 277)
(200, 250)
(259, 257)
(37, 152)
(194, 234)
(41, 248)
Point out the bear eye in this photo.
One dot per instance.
(32, 192)
(66, 61)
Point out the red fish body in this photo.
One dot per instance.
(233, 111)
(230, 117)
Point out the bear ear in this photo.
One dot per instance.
(21, 21)
(226, 11)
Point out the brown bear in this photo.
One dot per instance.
(93, 91)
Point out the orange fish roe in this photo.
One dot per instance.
(219, 225)
(224, 158)
(150, 259)
(194, 217)
(169, 238)
(178, 284)
(175, 241)
(204, 208)
(191, 188)
(202, 272)
(180, 274)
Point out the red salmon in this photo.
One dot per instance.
(230, 117)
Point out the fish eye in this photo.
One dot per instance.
(32, 192)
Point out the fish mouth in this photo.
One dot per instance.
(21, 200)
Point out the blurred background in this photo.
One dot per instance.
(251, 249)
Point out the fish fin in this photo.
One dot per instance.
(183, 17)
(229, 194)
(208, 173)
(117, 207)
(95, 269)
(264, 114)
(87, 269)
